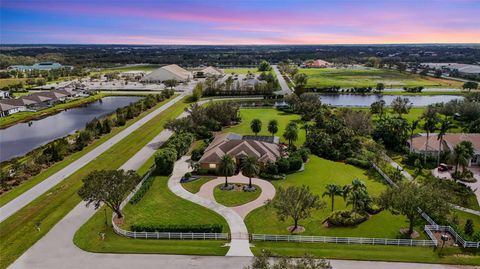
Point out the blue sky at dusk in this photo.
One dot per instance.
(239, 22)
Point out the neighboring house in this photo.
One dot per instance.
(449, 142)
(211, 71)
(8, 109)
(317, 64)
(238, 147)
(4, 94)
(240, 82)
(169, 72)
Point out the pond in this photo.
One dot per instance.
(357, 100)
(24, 137)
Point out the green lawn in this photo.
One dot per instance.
(52, 206)
(160, 206)
(235, 197)
(265, 115)
(10, 81)
(25, 186)
(87, 238)
(348, 77)
(145, 68)
(462, 218)
(241, 70)
(194, 186)
(318, 173)
(451, 255)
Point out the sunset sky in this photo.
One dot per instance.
(239, 22)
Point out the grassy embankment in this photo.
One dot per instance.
(52, 206)
(25, 186)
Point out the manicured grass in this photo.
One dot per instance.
(235, 197)
(462, 219)
(194, 186)
(87, 238)
(229, 71)
(348, 77)
(145, 68)
(25, 186)
(451, 255)
(10, 81)
(160, 206)
(265, 115)
(52, 206)
(318, 173)
(18, 94)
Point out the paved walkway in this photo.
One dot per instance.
(239, 246)
(268, 192)
(283, 84)
(16, 204)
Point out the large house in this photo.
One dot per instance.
(168, 72)
(34, 101)
(238, 147)
(419, 144)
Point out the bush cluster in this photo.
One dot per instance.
(142, 191)
(346, 218)
(180, 228)
(358, 162)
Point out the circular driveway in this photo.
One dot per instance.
(268, 192)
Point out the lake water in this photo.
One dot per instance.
(359, 100)
(22, 138)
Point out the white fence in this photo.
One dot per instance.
(433, 227)
(458, 239)
(161, 235)
(343, 240)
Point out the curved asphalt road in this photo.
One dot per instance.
(16, 204)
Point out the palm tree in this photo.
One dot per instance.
(291, 133)
(358, 184)
(462, 153)
(273, 127)
(431, 119)
(413, 126)
(256, 126)
(359, 199)
(346, 191)
(250, 168)
(445, 125)
(332, 190)
(226, 167)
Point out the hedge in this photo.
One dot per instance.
(359, 163)
(180, 228)
(141, 192)
(165, 160)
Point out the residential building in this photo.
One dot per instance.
(169, 72)
(238, 147)
(4, 94)
(419, 144)
(211, 71)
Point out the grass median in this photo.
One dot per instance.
(18, 232)
(18, 190)
(451, 255)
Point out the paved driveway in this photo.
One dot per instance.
(283, 84)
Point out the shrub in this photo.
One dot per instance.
(141, 192)
(295, 163)
(206, 171)
(187, 175)
(165, 160)
(302, 153)
(358, 162)
(197, 153)
(283, 165)
(270, 168)
(373, 209)
(181, 228)
(180, 142)
(468, 229)
(346, 218)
